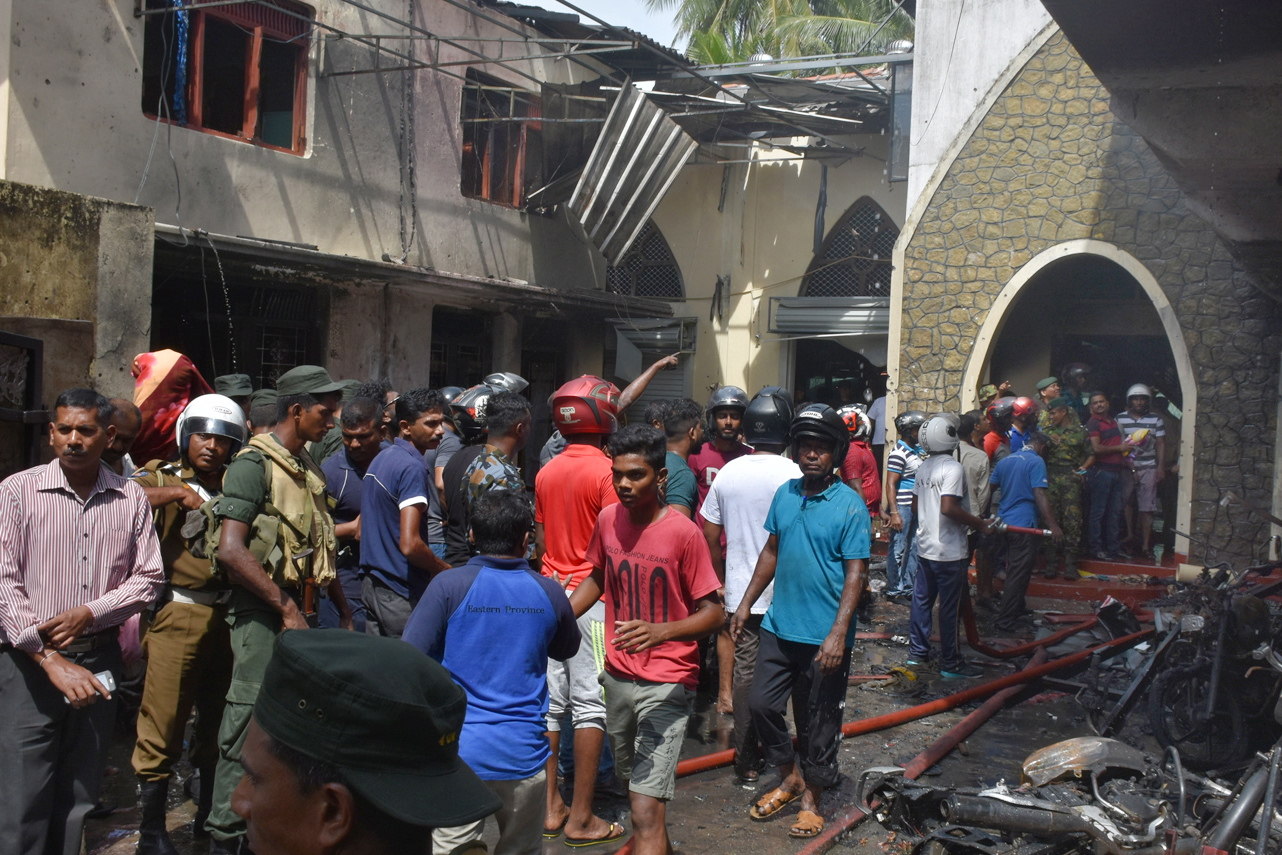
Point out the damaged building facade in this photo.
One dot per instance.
(1048, 226)
(430, 191)
(260, 184)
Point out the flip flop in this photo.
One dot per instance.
(808, 824)
(616, 832)
(771, 803)
(554, 833)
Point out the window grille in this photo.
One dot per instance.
(855, 259)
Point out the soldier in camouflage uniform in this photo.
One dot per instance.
(1067, 454)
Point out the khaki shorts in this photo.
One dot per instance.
(1142, 484)
(646, 723)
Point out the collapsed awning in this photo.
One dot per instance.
(635, 159)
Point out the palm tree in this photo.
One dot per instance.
(723, 31)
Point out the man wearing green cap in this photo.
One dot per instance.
(238, 387)
(1048, 389)
(261, 414)
(353, 747)
(275, 536)
(1068, 456)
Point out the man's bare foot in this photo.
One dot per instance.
(555, 821)
(595, 829)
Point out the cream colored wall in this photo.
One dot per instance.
(763, 240)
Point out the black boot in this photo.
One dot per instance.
(204, 802)
(153, 838)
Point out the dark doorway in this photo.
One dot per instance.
(1085, 308)
(828, 371)
(460, 348)
(226, 319)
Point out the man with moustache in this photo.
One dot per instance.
(78, 556)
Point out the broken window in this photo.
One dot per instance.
(238, 70)
(502, 140)
(647, 269)
(855, 259)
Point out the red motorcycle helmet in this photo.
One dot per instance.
(1023, 408)
(585, 405)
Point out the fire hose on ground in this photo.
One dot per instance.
(937, 750)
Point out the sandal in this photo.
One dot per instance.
(554, 833)
(771, 803)
(808, 824)
(616, 832)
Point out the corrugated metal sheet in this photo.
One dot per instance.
(636, 158)
(829, 315)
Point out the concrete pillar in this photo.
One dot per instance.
(505, 343)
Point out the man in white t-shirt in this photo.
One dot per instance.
(737, 503)
(943, 520)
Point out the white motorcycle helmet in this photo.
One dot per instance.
(216, 414)
(939, 434)
(1139, 390)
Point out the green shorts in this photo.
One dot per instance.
(646, 723)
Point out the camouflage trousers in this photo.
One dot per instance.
(1064, 492)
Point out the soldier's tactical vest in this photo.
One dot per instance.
(294, 518)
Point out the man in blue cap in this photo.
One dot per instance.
(353, 747)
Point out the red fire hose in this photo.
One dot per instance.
(717, 759)
(935, 752)
(977, 644)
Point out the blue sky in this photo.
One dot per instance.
(627, 13)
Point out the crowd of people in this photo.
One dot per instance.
(487, 618)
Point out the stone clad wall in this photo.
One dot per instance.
(1050, 163)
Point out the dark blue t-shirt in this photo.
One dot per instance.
(493, 624)
(396, 479)
(1018, 474)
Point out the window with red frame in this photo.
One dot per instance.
(238, 70)
(502, 140)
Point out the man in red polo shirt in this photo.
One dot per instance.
(569, 493)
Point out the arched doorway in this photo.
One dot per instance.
(1088, 301)
(845, 293)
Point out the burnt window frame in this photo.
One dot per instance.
(261, 24)
(485, 102)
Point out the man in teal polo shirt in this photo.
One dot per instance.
(817, 556)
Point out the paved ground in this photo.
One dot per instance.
(709, 814)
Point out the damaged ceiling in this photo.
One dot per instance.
(1203, 85)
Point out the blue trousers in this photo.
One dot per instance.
(901, 560)
(1103, 531)
(945, 581)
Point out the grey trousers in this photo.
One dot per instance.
(386, 612)
(51, 755)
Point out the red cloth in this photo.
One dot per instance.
(569, 493)
(993, 441)
(654, 573)
(860, 464)
(164, 383)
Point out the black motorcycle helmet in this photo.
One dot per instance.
(820, 421)
(767, 417)
(909, 421)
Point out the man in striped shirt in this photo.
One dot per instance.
(78, 555)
